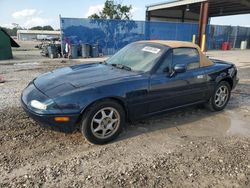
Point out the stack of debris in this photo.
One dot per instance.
(50, 50)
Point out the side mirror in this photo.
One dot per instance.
(179, 68)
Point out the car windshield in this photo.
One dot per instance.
(139, 57)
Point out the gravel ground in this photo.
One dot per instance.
(191, 147)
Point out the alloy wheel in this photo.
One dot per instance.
(221, 96)
(105, 123)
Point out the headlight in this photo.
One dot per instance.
(38, 105)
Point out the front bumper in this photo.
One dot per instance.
(47, 120)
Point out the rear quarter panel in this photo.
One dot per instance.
(217, 72)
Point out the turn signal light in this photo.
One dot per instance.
(62, 119)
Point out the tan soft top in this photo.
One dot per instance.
(204, 61)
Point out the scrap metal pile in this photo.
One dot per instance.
(50, 49)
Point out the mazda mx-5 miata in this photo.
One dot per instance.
(142, 79)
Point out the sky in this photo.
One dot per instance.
(29, 13)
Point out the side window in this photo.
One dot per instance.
(188, 56)
(166, 63)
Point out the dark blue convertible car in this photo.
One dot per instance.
(142, 79)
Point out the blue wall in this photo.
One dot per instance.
(112, 35)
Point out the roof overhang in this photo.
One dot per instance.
(216, 8)
(173, 3)
(41, 32)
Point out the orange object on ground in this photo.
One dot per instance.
(225, 46)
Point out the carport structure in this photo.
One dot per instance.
(196, 11)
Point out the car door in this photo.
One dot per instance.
(194, 75)
(167, 91)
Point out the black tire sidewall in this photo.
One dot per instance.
(212, 102)
(88, 116)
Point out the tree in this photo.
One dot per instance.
(113, 10)
(114, 20)
(36, 28)
(46, 27)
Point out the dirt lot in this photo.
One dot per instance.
(185, 148)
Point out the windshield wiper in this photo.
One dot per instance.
(120, 66)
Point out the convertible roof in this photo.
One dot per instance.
(174, 44)
(204, 61)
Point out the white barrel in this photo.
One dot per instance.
(243, 45)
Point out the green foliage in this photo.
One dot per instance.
(47, 27)
(119, 25)
(113, 10)
(13, 31)
(36, 28)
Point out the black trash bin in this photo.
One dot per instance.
(74, 51)
(85, 50)
(94, 50)
(52, 51)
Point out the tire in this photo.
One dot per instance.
(215, 104)
(99, 126)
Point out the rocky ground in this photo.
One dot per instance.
(185, 148)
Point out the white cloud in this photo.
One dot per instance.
(24, 13)
(36, 21)
(94, 9)
(134, 11)
(7, 25)
(30, 18)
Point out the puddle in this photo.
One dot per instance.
(216, 124)
(239, 124)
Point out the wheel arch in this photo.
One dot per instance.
(118, 100)
(228, 80)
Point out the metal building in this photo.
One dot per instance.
(6, 42)
(29, 35)
(196, 11)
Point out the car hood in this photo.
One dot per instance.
(69, 78)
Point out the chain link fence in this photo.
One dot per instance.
(234, 35)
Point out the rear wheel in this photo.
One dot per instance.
(220, 97)
(103, 122)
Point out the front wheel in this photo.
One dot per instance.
(220, 97)
(103, 122)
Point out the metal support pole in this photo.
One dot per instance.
(200, 23)
(147, 25)
(194, 39)
(235, 37)
(61, 35)
(183, 15)
(203, 20)
(148, 15)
